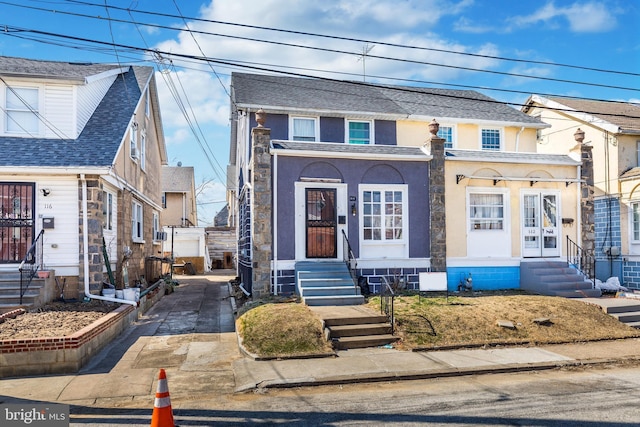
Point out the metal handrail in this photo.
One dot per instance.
(387, 299)
(349, 258)
(31, 263)
(583, 261)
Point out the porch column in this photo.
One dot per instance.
(261, 209)
(437, 221)
(587, 219)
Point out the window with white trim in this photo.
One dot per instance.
(107, 210)
(638, 153)
(21, 109)
(137, 222)
(486, 211)
(383, 214)
(635, 222)
(133, 142)
(156, 226)
(491, 139)
(143, 150)
(359, 132)
(446, 133)
(147, 102)
(304, 129)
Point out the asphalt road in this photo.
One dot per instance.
(587, 398)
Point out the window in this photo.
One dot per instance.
(164, 200)
(358, 132)
(134, 141)
(143, 150)
(486, 211)
(304, 129)
(383, 215)
(635, 221)
(22, 110)
(638, 153)
(107, 210)
(446, 132)
(156, 226)
(491, 139)
(136, 222)
(147, 108)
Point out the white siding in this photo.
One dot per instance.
(61, 245)
(89, 96)
(58, 112)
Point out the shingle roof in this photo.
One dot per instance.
(286, 93)
(349, 149)
(34, 68)
(177, 179)
(100, 139)
(622, 114)
(509, 157)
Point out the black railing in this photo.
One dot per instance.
(580, 259)
(387, 298)
(349, 258)
(31, 263)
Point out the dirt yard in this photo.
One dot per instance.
(57, 319)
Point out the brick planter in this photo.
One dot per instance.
(60, 355)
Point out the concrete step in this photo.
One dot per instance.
(623, 308)
(346, 343)
(363, 320)
(334, 300)
(633, 324)
(359, 330)
(325, 282)
(319, 274)
(327, 290)
(568, 286)
(627, 317)
(583, 293)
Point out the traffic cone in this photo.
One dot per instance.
(162, 412)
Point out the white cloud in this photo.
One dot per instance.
(581, 17)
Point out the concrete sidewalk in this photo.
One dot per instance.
(191, 334)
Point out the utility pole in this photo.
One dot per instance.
(365, 51)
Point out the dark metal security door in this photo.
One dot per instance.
(17, 203)
(321, 222)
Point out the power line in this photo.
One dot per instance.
(365, 41)
(10, 29)
(256, 40)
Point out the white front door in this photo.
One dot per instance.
(540, 219)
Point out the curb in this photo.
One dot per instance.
(442, 373)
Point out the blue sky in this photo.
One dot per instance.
(591, 36)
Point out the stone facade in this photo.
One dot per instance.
(261, 212)
(438, 230)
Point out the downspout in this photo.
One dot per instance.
(518, 138)
(85, 247)
(275, 223)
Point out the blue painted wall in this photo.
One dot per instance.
(608, 233)
(485, 278)
(332, 129)
(353, 173)
(385, 132)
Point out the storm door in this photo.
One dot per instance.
(320, 221)
(17, 225)
(540, 232)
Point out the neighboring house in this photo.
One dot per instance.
(182, 239)
(613, 130)
(83, 147)
(354, 159)
(179, 197)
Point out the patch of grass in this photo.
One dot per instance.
(278, 330)
(473, 320)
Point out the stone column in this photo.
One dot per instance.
(437, 220)
(587, 212)
(261, 209)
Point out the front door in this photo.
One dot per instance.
(321, 223)
(540, 232)
(16, 220)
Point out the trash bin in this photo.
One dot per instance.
(189, 268)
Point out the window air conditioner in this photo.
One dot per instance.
(161, 235)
